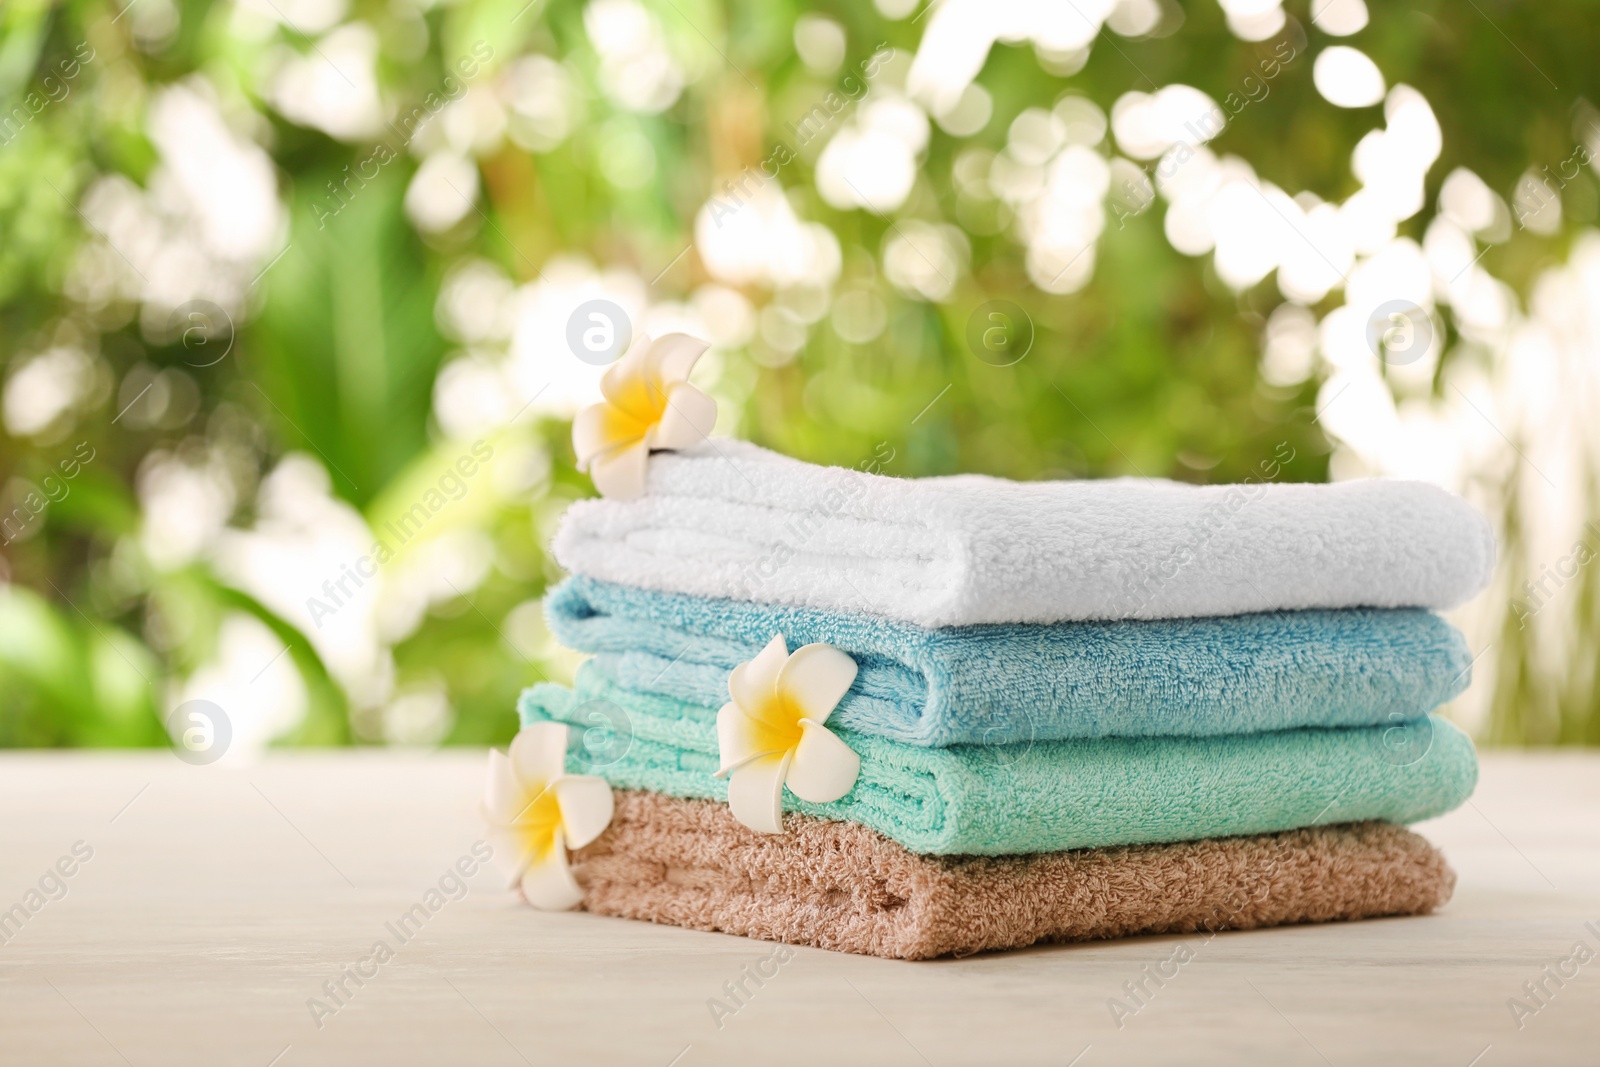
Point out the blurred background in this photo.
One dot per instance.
(271, 269)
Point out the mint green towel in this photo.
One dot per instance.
(1049, 796)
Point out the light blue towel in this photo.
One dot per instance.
(1048, 796)
(1007, 683)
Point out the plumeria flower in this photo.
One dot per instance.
(537, 811)
(772, 733)
(649, 404)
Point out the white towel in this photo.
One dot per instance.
(729, 519)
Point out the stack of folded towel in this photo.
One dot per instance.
(999, 713)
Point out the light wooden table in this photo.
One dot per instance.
(218, 901)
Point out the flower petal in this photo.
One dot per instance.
(601, 428)
(753, 685)
(511, 854)
(741, 739)
(539, 755)
(824, 767)
(674, 355)
(815, 679)
(620, 473)
(503, 795)
(548, 883)
(586, 807)
(630, 383)
(687, 420)
(755, 792)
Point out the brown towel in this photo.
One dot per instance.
(841, 886)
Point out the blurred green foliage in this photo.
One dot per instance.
(1151, 369)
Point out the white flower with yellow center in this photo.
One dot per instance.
(537, 811)
(649, 405)
(772, 733)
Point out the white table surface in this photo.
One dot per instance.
(218, 900)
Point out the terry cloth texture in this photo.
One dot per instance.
(1007, 683)
(840, 886)
(1050, 795)
(729, 519)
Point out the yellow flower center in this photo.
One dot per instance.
(777, 723)
(536, 824)
(639, 404)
